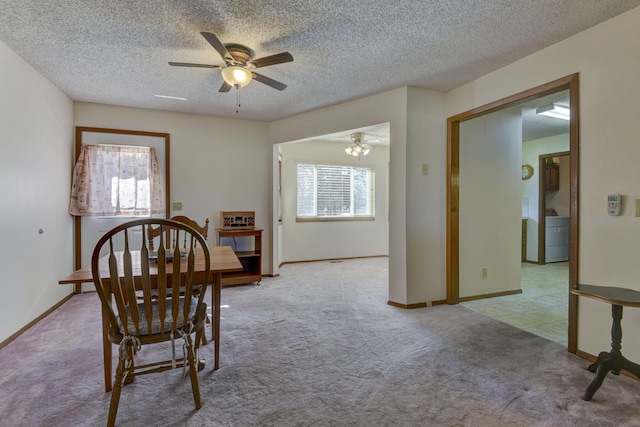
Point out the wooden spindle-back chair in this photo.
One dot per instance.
(168, 310)
(170, 240)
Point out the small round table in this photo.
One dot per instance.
(610, 361)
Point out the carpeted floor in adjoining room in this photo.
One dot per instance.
(318, 346)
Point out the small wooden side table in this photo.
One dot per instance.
(610, 361)
(251, 259)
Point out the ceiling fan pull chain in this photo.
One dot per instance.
(238, 98)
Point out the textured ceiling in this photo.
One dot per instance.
(534, 126)
(117, 51)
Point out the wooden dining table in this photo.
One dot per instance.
(223, 260)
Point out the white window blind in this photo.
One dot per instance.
(326, 191)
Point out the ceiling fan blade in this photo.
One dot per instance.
(278, 58)
(226, 87)
(188, 64)
(269, 81)
(217, 45)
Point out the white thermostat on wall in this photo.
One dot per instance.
(614, 204)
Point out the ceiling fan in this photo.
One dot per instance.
(239, 64)
(359, 146)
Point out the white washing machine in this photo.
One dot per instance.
(557, 238)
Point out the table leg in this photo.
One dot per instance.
(601, 372)
(601, 357)
(629, 366)
(612, 361)
(215, 307)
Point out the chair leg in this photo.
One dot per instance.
(193, 373)
(203, 339)
(115, 394)
(204, 335)
(200, 339)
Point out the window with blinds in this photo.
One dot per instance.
(335, 192)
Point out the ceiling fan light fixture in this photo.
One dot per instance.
(236, 76)
(555, 110)
(357, 149)
(239, 61)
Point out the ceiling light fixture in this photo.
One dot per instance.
(357, 149)
(172, 97)
(236, 76)
(556, 111)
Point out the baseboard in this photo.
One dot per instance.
(416, 305)
(34, 321)
(407, 306)
(587, 356)
(332, 259)
(495, 294)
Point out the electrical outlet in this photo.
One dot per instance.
(485, 272)
(176, 206)
(425, 169)
(637, 207)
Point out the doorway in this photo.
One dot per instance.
(357, 237)
(569, 83)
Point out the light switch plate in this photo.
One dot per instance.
(637, 207)
(176, 206)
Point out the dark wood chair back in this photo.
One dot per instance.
(170, 240)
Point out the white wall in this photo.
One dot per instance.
(217, 164)
(426, 196)
(607, 57)
(303, 241)
(35, 171)
(490, 204)
(531, 151)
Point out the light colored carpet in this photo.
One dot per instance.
(318, 346)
